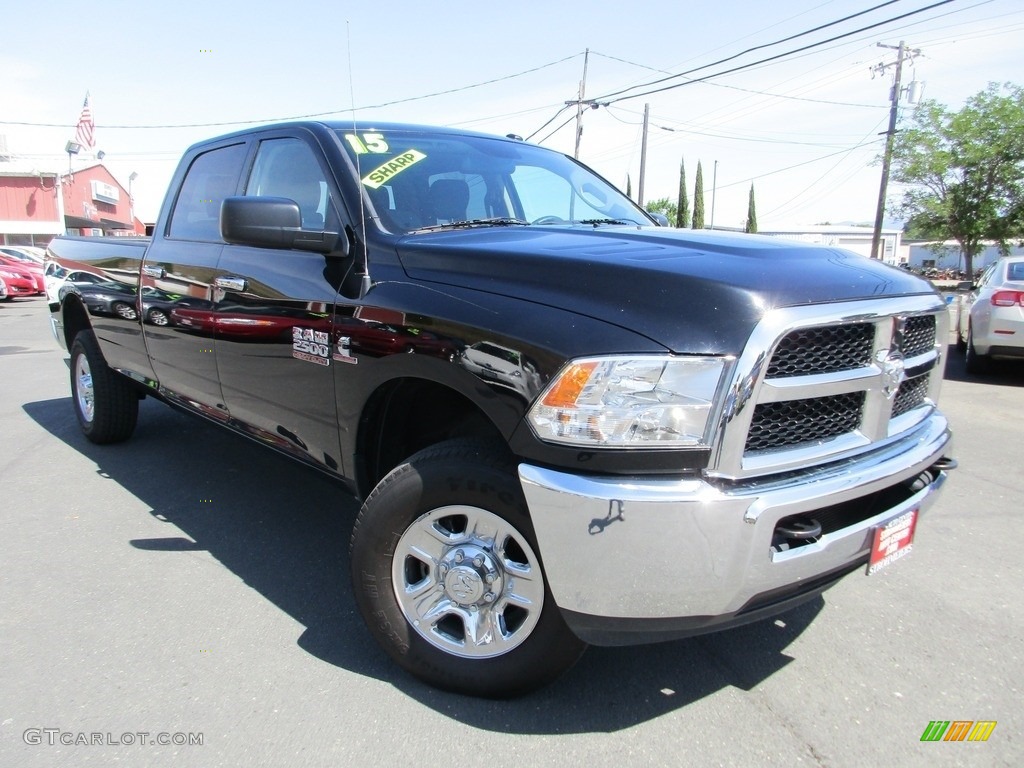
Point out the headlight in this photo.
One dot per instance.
(631, 402)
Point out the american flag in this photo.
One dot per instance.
(86, 126)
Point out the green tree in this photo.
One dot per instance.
(698, 199)
(665, 206)
(751, 213)
(965, 170)
(682, 220)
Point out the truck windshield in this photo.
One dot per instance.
(422, 180)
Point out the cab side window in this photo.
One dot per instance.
(212, 176)
(289, 168)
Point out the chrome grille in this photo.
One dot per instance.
(821, 383)
(796, 422)
(824, 349)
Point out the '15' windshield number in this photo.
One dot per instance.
(370, 142)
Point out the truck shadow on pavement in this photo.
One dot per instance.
(284, 530)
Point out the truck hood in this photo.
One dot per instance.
(691, 291)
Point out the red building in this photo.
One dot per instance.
(96, 204)
(35, 206)
(31, 206)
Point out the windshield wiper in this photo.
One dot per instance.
(496, 221)
(597, 222)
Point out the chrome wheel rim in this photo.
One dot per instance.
(468, 582)
(85, 395)
(157, 317)
(124, 311)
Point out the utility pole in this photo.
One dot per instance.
(643, 158)
(579, 104)
(902, 55)
(714, 191)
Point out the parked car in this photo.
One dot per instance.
(36, 255)
(19, 282)
(54, 276)
(118, 299)
(26, 265)
(990, 323)
(501, 366)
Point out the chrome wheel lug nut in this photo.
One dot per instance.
(459, 556)
(478, 561)
(489, 578)
(489, 597)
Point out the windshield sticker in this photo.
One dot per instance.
(311, 346)
(375, 178)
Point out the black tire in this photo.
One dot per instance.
(974, 363)
(961, 342)
(423, 532)
(106, 405)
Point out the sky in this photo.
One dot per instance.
(806, 129)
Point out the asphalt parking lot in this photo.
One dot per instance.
(191, 586)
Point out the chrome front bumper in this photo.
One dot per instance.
(639, 559)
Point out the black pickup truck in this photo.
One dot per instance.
(567, 424)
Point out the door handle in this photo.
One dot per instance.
(158, 272)
(230, 283)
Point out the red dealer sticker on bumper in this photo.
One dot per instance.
(892, 541)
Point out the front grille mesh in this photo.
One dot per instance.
(795, 422)
(825, 349)
(911, 394)
(918, 335)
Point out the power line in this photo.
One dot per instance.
(751, 50)
(684, 128)
(312, 114)
(814, 183)
(797, 165)
(607, 100)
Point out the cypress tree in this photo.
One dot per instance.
(751, 213)
(683, 206)
(629, 187)
(698, 199)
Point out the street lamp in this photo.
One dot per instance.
(72, 148)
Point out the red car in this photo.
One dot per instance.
(27, 266)
(19, 282)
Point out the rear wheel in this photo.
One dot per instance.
(158, 317)
(974, 362)
(447, 576)
(106, 405)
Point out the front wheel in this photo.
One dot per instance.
(105, 404)
(448, 580)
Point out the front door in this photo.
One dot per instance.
(274, 310)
